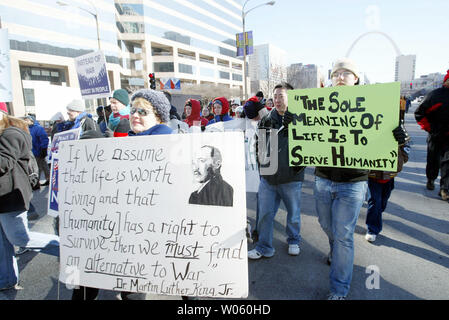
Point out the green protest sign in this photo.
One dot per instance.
(345, 126)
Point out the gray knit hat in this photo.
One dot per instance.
(157, 99)
(76, 105)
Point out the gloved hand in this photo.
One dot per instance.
(43, 153)
(400, 135)
(288, 118)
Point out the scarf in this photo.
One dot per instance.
(115, 118)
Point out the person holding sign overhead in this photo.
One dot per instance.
(339, 196)
(278, 181)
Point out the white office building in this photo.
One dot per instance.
(193, 41)
(405, 69)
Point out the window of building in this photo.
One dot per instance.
(223, 63)
(207, 59)
(185, 68)
(54, 76)
(128, 9)
(156, 51)
(237, 77)
(224, 75)
(28, 97)
(186, 54)
(164, 67)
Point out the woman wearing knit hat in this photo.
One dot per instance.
(15, 197)
(119, 119)
(150, 111)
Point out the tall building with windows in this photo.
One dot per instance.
(405, 69)
(302, 76)
(45, 37)
(193, 41)
(267, 67)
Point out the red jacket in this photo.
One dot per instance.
(195, 114)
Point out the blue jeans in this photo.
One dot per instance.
(269, 198)
(14, 231)
(338, 206)
(379, 195)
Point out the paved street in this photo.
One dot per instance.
(411, 253)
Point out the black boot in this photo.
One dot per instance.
(430, 185)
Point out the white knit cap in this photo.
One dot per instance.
(76, 105)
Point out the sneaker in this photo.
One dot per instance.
(255, 255)
(332, 296)
(444, 195)
(430, 185)
(22, 250)
(370, 237)
(15, 287)
(293, 249)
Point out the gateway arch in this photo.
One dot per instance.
(396, 48)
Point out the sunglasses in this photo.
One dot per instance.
(141, 111)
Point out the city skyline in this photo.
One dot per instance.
(307, 29)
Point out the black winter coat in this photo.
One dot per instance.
(284, 173)
(433, 114)
(15, 148)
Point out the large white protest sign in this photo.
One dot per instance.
(92, 75)
(141, 214)
(5, 68)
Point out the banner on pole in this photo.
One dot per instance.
(240, 43)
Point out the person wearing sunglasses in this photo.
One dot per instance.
(150, 111)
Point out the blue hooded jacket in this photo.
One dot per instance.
(154, 130)
(39, 138)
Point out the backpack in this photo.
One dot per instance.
(32, 171)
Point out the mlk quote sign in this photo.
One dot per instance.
(347, 126)
(141, 214)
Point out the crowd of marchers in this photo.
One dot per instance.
(339, 192)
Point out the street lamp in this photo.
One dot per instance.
(244, 13)
(95, 15)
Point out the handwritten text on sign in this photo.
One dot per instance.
(345, 126)
(126, 223)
